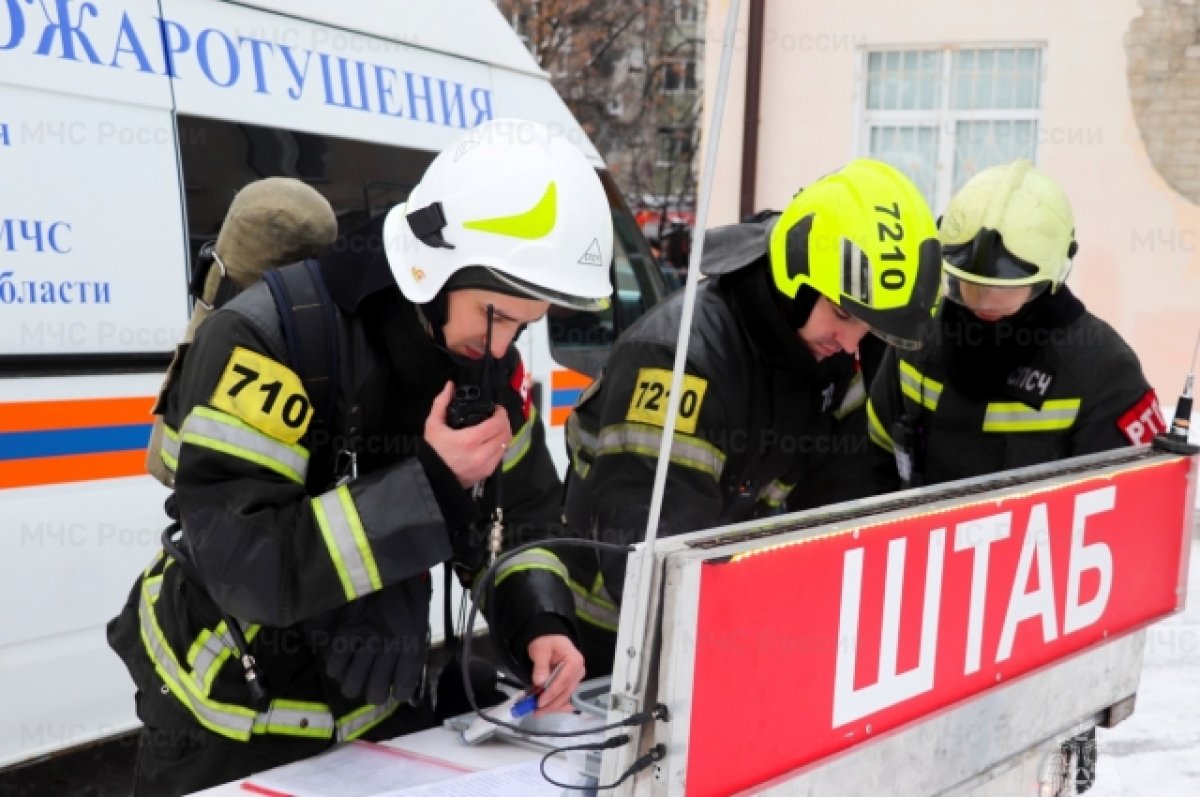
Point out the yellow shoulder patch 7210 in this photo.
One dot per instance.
(265, 394)
(652, 391)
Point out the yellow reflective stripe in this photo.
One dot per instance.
(580, 443)
(856, 396)
(218, 647)
(578, 437)
(346, 540)
(282, 717)
(519, 445)
(296, 718)
(595, 606)
(363, 719)
(154, 560)
(919, 388)
(222, 432)
(876, 432)
(1054, 415)
(537, 222)
(533, 559)
(635, 438)
(168, 450)
(775, 493)
(153, 587)
(206, 639)
(581, 467)
(234, 722)
(591, 606)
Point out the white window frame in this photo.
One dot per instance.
(943, 117)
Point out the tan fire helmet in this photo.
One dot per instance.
(270, 223)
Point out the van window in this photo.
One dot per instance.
(581, 340)
(359, 179)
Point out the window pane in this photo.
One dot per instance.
(360, 180)
(1005, 81)
(1028, 78)
(995, 78)
(979, 145)
(903, 80)
(912, 150)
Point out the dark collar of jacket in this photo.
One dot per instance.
(735, 246)
(355, 265)
(978, 356)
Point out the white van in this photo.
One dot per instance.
(125, 129)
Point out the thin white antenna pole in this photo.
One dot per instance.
(642, 590)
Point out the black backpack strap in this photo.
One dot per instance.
(310, 326)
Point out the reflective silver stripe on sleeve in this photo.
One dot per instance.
(519, 445)
(856, 396)
(687, 451)
(533, 559)
(581, 445)
(222, 432)
(597, 606)
(876, 432)
(359, 722)
(168, 450)
(580, 438)
(919, 388)
(346, 540)
(593, 606)
(775, 493)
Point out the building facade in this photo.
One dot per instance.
(1105, 97)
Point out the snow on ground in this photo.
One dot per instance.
(1156, 752)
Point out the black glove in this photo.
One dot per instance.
(380, 643)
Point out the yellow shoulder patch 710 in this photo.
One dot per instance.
(652, 391)
(265, 394)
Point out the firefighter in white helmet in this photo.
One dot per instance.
(311, 531)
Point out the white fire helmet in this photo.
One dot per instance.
(517, 199)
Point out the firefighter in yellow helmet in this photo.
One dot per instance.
(771, 392)
(1016, 372)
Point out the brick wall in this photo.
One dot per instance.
(1163, 48)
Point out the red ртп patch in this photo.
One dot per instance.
(522, 383)
(1143, 420)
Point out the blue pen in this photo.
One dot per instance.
(529, 703)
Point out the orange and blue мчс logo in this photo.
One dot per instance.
(72, 440)
(565, 389)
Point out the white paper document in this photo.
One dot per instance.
(358, 769)
(517, 780)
